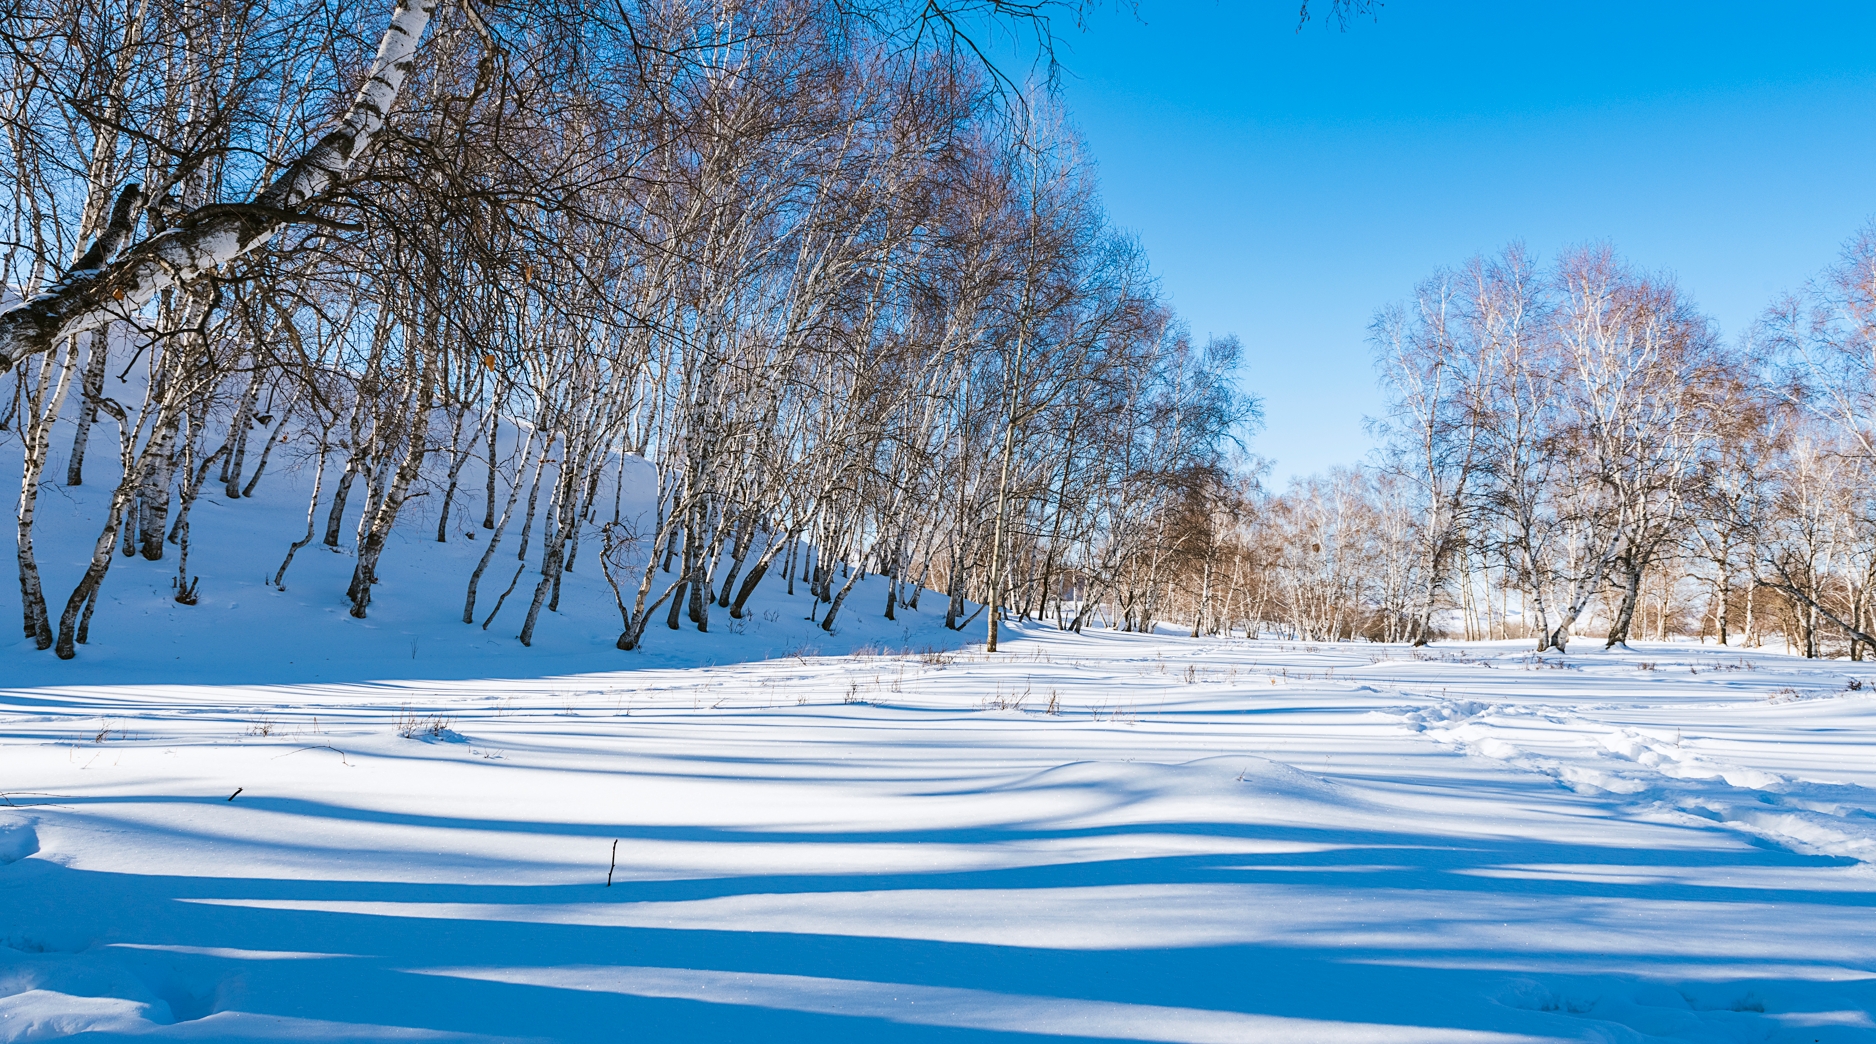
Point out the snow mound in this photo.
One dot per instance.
(49, 1015)
(441, 734)
(1618, 1011)
(1225, 775)
(17, 840)
(1224, 788)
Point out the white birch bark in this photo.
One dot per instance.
(396, 491)
(43, 405)
(312, 513)
(101, 287)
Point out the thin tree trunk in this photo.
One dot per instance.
(955, 609)
(459, 456)
(553, 545)
(1632, 567)
(185, 590)
(153, 494)
(495, 539)
(88, 410)
(335, 518)
(312, 513)
(273, 439)
(745, 535)
(236, 449)
(756, 572)
(36, 433)
(84, 595)
(534, 500)
(372, 546)
(585, 514)
(833, 609)
(495, 422)
(94, 575)
(635, 621)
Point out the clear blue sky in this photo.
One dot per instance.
(1286, 185)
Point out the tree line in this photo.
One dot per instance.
(694, 294)
(1572, 446)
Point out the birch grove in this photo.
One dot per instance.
(1570, 448)
(698, 296)
(712, 297)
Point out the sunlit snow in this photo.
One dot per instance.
(1212, 840)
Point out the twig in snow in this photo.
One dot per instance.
(238, 790)
(316, 746)
(615, 862)
(7, 800)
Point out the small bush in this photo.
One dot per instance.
(411, 725)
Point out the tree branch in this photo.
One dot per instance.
(103, 285)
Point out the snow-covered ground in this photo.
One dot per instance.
(258, 818)
(1107, 837)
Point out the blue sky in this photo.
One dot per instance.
(1287, 184)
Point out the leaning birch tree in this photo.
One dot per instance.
(117, 277)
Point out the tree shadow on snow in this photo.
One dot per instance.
(1400, 931)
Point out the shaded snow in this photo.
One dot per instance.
(1213, 841)
(259, 819)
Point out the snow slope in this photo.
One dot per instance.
(1209, 841)
(244, 630)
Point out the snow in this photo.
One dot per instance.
(1214, 840)
(259, 819)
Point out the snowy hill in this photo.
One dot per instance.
(244, 630)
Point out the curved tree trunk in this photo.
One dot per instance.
(1631, 568)
(104, 285)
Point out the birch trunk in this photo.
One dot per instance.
(335, 517)
(635, 619)
(495, 538)
(371, 547)
(833, 609)
(152, 498)
(745, 535)
(102, 286)
(756, 573)
(193, 478)
(43, 406)
(88, 410)
(1586, 589)
(273, 439)
(312, 513)
(234, 454)
(459, 456)
(1632, 569)
(564, 503)
(167, 414)
(495, 423)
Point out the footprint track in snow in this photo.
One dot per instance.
(1647, 774)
